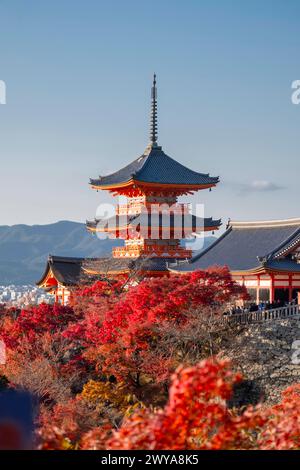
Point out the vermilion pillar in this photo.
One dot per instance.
(290, 287)
(272, 289)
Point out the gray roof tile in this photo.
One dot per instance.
(243, 247)
(144, 220)
(154, 166)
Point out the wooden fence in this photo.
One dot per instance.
(261, 316)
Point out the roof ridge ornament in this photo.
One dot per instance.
(153, 116)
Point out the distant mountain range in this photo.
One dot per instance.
(24, 249)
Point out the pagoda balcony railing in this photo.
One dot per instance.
(122, 252)
(155, 208)
(134, 252)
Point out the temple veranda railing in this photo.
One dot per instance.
(246, 318)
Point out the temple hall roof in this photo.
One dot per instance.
(248, 246)
(74, 271)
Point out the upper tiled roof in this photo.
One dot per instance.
(70, 271)
(66, 270)
(74, 271)
(247, 246)
(154, 166)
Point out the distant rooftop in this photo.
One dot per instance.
(248, 246)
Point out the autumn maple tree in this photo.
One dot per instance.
(124, 329)
(135, 366)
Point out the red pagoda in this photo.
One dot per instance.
(152, 222)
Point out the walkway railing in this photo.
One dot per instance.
(261, 316)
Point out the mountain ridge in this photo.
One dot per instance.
(24, 249)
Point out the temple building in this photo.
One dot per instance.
(61, 274)
(262, 256)
(152, 222)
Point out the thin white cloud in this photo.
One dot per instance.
(262, 186)
(255, 186)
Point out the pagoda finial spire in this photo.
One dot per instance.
(153, 120)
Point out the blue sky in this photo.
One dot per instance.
(78, 76)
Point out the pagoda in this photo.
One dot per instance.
(152, 222)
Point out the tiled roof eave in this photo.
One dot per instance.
(257, 270)
(145, 184)
(107, 271)
(208, 226)
(95, 229)
(68, 276)
(264, 269)
(283, 271)
(52, 272)
(45, 275)
(286, 248)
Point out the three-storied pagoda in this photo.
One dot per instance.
(152, 222)
(262, 256)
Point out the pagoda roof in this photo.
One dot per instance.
(250, 246)
(156, 168)
(118, 222)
